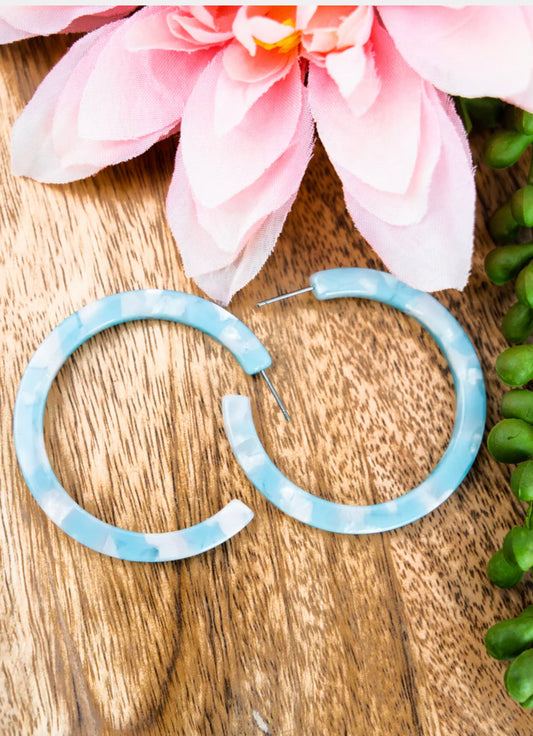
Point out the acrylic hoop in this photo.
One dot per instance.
(30, 405)
(454, 464)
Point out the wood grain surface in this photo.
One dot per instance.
(284, 630)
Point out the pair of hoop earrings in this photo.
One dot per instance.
(253, 357)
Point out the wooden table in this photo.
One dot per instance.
(285, 629)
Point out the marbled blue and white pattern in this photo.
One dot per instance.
(30, 405)
(454, 464)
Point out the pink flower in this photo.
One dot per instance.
(18, 22)
(246, 87)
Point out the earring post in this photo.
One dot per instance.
(284, 296)
(275, 394)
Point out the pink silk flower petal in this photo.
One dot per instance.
(131, 94)
(91, 22)
(224, 247)
(240, 66)
(152, 32)
(524, 98)
(233, 97)
(219, 166)
(25, 21)
(379, 147)
(223, 284)
(434, 253)
(220, 273)
(411, 206)
(355, 74)
(9, 34)
(473, 51)
(249, 27)
(165, 30)
(45, 144)
(229, 222)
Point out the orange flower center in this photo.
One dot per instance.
(286, 44)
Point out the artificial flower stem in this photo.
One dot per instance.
(530, 173)
(528, 522)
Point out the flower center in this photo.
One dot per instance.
(285, 44)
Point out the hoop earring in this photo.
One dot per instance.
(30, 406)
(454, 464)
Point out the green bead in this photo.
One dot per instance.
(522, 206)
(507, 639)
(522, 481)
(523, 121)
(518, 677)
(515, 365)
(502, 225)
(524, 285)
(523, 548)
(505, 147)
(504, 263)
(507, 547)
(517, 323)
(527, 703)
(518, 547)
(501, 573)
(511, 441)
(484, 111)
(518, 404)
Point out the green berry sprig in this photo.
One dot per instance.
(512, 640)
(511, 440)
(504, 148)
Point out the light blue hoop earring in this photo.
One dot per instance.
(454, 464)
(30, 405)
